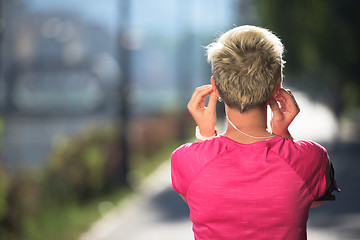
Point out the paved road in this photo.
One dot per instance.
(156, 212)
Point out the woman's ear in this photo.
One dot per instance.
(276, 90)
(212, 81)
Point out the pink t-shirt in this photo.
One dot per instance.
(249, 191)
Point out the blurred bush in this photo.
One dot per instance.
(83, 166)
(79, 169)
(24, 200)
(4, 186)
(146, 134)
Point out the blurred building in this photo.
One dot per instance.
(61, 64)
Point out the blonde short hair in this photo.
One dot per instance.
(247, 65)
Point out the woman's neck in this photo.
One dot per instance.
(252, 125)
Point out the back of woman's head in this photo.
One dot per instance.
(247, 65)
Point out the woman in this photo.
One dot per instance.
(249, 183)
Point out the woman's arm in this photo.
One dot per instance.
(330, 186)
(285, 109)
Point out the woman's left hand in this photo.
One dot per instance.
(285, 109)
(205, 117)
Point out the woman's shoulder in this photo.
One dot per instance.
(200, 150)
(307, 143)
(296, 149)
(309, 146)
(197, 146)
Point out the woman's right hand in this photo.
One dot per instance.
(205, 117)
(285, 109)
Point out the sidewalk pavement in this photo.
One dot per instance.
(153, 212)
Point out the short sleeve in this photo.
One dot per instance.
(320, 188)
(311, 165)
(181, 170)
(189, 159)
(328, 196)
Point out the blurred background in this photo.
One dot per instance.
(93, 100)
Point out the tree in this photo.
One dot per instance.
(322, 42)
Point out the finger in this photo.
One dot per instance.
(286, 99)
(212, 102)
(203, 92)
(199, 90)
(199, 95)
(274, 107)
(285, 94)
(293, 98)
(282, 93)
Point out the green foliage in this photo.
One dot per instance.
(4, 187)
(321, 38)
(4, 190)
(79, 169)
(69, 220)
(84, 166)
(4, 184)
(22, 199)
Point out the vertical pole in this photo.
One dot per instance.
(2, 83)
(184, 58)
(125, 78)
